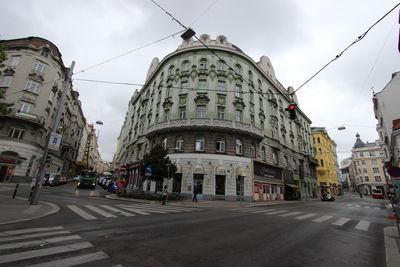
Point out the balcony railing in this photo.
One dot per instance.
(206, 123)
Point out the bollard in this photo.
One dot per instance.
(15, 191)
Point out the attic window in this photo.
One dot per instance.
(45, 52)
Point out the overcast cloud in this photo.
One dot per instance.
(298, 36)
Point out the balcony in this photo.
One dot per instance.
(204, 124)
(27, 117)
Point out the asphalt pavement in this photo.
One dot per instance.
(349, 231)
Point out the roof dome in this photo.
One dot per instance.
(358, 143)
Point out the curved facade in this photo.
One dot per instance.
(223, 120)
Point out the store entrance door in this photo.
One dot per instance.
(198, 184)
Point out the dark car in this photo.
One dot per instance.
(327, 197)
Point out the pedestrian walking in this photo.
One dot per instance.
(165, 194)
(195, 193)
(360, 194)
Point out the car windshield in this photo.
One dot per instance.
(89, 174)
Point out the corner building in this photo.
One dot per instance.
(224, 124)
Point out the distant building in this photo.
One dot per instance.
(225, 128)
(327, 169)
(345, 174)
(368, 165)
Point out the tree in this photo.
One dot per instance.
(161, 164)
(5, 108)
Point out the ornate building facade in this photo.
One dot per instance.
(222, 118)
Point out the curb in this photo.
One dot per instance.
(54, 209)
(391, 247)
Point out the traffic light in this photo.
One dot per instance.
(48, 159)
(292, 111)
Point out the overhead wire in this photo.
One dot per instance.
(203, 13)
(19, 91)
(359, 38)
(128, 52)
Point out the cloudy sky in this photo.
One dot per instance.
(299, 37)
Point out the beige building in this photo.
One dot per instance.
(33, 80)
(368, 165)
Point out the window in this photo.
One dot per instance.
(16, 133)
(251, 97)
(275, 158)
(24, 107)
(366, 178)
(168, 92)
(374, 162)
(165, 143)
(221, 113)
(6, 81)
(375, 170)
(199, 143)
(253, 151)
(372, 153)
(39, 66)
(238, 69)
(184, 87)
(361, 154)
(263, 153)
(45, 52)
(239, 115)
(238, 90)
(221, 87)
(261, 103)
(262, 126)
(179, 143)
(156, 119)
(252, 120)
(220, 145)
(202, 86)
(32, 86)
(171, 70)
(250, 75)
(285, 161)
(15, 60)
(239, 147)
(182, 113)
(363, 162)
(259, 84)
(221, 65)
(378, 179)
(322, 163)
(166, 115)
(365, 171)
(203, 64)
(319, 140)
(159, 96)
(185, 66)
(201, 111)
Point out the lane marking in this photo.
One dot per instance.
(263, 210)
(358, 206)
(367, 207)
(322, 218)
(275, 212)
(72, 261)
(160, 207)
(136, 210)
(10, 238)
(363, 225)
(101, 212)
(43, 252)
(305, 216)
(118, 210)
(30, 230)
(81, 212)
(290, 214)
(349, 205)
(341, 221)
(39, 242)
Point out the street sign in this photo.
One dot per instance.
(55, 141)
(148, 171)
(393, 171)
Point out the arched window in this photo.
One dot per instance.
(250, 75)
(239, 147)
(203, 64)
(238, 69)
(285, 161)
(221, 65)
(171, 70)
(185, 66)
(220, 144)
(259, 84)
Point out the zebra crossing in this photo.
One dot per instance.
(46, 247)
(361, 225)
(4, 189)
(94, 212)
(369, 206)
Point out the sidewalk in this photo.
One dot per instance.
(19, 210)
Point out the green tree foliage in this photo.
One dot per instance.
(5, 108)
(157, 158)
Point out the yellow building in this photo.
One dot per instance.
(325, 154)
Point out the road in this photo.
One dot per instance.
(90, 229)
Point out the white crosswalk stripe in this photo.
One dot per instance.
(117, 210)
(275, 212)
(49, 246)
(367, 207)
(290, 214)
(99, 211)
(341, 221)
(81, 212)
(322, 218)
(302, 217)
(362, 225)
(5, 189)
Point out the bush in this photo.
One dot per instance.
(149, 196)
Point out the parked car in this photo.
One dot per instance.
(327, 197)
(377, 193)
(52, 179)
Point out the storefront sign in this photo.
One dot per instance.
(8, 160)
(269, 172)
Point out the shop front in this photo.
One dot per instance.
(8, 162)
(133, 175)
(268, 183)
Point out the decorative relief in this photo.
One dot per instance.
(238, 103)
(36, 76)
(167, 103)
(201, 99)
(221, 100)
